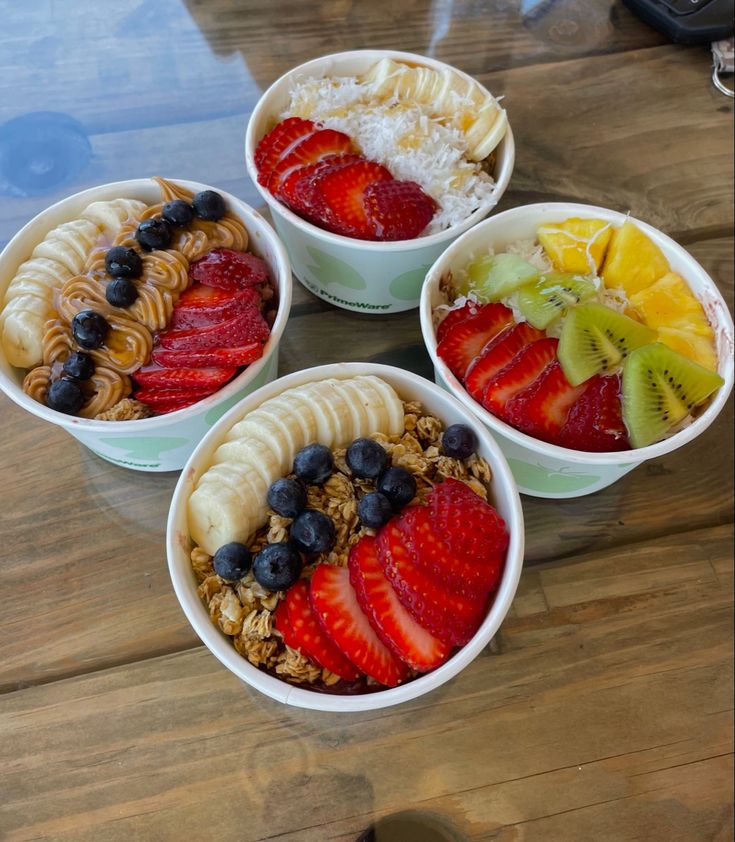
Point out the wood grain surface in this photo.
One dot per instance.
(603, 708)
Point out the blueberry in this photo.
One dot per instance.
(121, 292)
(123, 262)
(287, 497)
(398, 485)
(314, 464)
(79, 365)
(374, 510)
(65, 396)
(313, 532)
(209, 205)
(459, 441)
(178, 213)
(153, 234)
(89, 329)
(366, 458)
(277, 566)
(231, 561)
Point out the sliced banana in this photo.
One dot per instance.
(289, 428)
(264, 434)
(354, 400)
(69, 244)
(110, 216)
(38, 273)
(23, 321)
(253, 453)
(216, 517)
(381, 398)
(329, 406)
(298, 415)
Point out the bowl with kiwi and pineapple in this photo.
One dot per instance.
(586, 340)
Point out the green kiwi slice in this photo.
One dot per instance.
(543, 302)
(596, 339)
(492, 277)
(660, 388)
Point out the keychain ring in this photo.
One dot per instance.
(719, 84)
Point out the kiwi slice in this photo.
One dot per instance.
(552, 296)
(595, 339)
(492, 277)
(660, 388)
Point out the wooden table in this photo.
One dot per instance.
(603, 708)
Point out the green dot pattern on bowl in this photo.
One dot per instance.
(539, 478)
(332, 270)
(144, 448)
(407, 287)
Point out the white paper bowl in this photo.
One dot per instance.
(162, 443)
(546, 470)
(368, 277)
(504, 497)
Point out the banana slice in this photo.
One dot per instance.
(264, 435)
(251, 453)
(334, 420)
(366, 400)
(289, 428)
(392, 404)
(358, 412)
(299, 415)
(110, 216)
(69, 244)
(38, 273)
(216, 517)
(23, 321)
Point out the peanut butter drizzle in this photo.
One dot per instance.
(129, 343)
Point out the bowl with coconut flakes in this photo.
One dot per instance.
(372, 162)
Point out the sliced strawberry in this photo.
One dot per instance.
(229, 269)
(496, 355)
(310, 150)
(220, 357)
(162, 401)
(278, 142)
(465, 340)
(281, 622)
(342, 192)
(310, 636)
(163, 407)
(541, 410)
(249, 326)
(155, 377)
(520, 372)
(201, 305)
(393, 624)
(595, 422)
(398, 210)
(473, 577)
(341, 617)
(299, 188)
(454, 317)
(451, 617)
(472, 529)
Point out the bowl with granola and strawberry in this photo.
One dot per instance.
(134, 314)
(371, 163)
(587, 341)
(346, 538)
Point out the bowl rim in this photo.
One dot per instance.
(281, 271)
(506, 158)
(185, 586)
(555, 209)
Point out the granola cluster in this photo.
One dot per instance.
(244, 610)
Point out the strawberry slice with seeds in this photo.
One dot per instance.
(281, 622)
(451, 617)
(541, 410)
(473, 578)
(471, 528)
(595, 421)
(220, 357)
(342, 193)
(397, 210)
(299, 188)
(249, 326)
(335, 603)
(162, 401)
(310, 636)
(497, 354)
(203, 379)
(229, 269)
(393, 624)
(465, 340)
(521, 371)
(310, 150)
(203, 305)
(279, 141)
(454, 317)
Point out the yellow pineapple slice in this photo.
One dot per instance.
(670, 303)
(633, 260)
(575, 245)
(701, 349)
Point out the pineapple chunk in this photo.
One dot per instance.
(670, 303)
(633, 260)
(575, 245)
(701, 349)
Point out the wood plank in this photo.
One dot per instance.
(606, 717)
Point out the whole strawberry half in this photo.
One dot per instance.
(496, 355)
(335, 604)
(595, 422)
(393, 624)
(249, 326)
(204, 305)
(229, 269)
(397, 210)
(278, 142)
(465, 340)
(310, 150)
(340, 198)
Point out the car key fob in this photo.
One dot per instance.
(687, 21)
